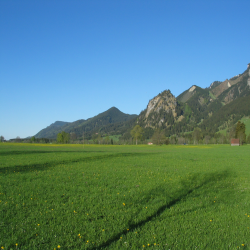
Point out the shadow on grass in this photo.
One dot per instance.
(30, 152)
(46, 165)
(189, 186)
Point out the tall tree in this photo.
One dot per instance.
(66, 137)
(1, 138)
(158, 137)
(94, 137)
(63, 137)
(99, 138)
(240, 132)
(207, 139)
(136, 132)
(59, 138)
(197, 135)
(33, 139)
(107, 139)
(73, 136)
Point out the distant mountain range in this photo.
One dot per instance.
(212, 109)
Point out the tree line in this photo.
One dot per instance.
(138, 135)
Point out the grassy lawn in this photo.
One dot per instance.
(119, 197)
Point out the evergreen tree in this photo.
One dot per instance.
(59, 138)
(197, 135)
(99, 138)
(240, 132)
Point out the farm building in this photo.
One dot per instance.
(235, 142)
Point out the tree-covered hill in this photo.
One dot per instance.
(211, 109)
(52, 130)
(198, 107)
(89, 126)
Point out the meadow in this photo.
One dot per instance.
(124, 197)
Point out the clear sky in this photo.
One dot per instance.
(68, 60)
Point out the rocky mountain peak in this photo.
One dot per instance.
(164, 100)
(160, 107)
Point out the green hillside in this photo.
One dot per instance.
(52, 130)
(246, 120)
(185, 96)
(107, 121)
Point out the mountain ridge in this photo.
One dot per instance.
(194, 107)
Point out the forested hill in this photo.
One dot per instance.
(51, 130)
(96, 123)
(212, 109)
(218, 107)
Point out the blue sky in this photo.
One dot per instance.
(69, 60)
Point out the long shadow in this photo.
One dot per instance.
(46, 165)
(181, 194)
(7, 153)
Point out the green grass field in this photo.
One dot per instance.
(124, 197)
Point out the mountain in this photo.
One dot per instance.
(217, 107)
(52, 130)
(161, 111)
(227, 84)
(212, 109)
(107, 122)
(102, 121)
(214, 84)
